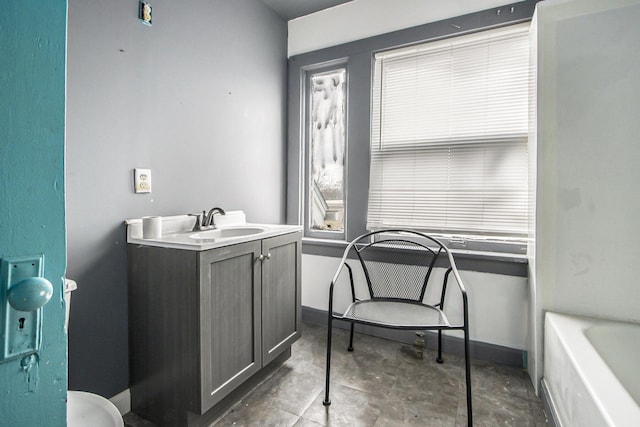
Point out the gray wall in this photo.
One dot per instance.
(199, 98)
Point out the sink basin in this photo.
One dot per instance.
(226, 233)
(232, 229)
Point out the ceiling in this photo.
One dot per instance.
(290, 9)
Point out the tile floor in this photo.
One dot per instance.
(380, 383)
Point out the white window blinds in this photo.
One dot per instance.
(449, 135)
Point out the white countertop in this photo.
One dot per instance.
(177, 232)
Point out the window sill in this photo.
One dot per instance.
(482, 261)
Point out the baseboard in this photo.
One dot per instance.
(549, 405)
(122, 401)
(453, 345)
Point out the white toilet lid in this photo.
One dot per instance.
(91, 410)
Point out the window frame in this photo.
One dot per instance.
(306, 75)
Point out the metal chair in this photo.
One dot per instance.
(389, 290)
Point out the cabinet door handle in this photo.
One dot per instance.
(262, 257)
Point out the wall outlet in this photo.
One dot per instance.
(142, 180)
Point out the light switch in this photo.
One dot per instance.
(145, 13)
(142, 180)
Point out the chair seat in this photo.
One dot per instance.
(397, 314)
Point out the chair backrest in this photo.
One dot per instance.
(397, 264)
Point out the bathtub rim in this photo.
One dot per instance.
(616, 405)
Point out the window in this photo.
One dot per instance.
(449, 136)
(326, 135)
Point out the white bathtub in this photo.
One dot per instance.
(592, 371)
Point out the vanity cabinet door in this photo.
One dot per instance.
(230, 323)
(280, 294)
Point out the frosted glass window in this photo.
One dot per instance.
(327, 122)
(449, 136)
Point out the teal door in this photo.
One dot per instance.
(32, 201)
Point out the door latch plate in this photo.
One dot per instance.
(20, 331)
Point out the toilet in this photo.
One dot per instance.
(87, 409)
(90, 410)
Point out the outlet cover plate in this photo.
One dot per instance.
(142, 180)
(20, 330)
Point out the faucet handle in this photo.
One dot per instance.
(196, 226)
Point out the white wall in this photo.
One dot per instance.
(360, 19)
(588, 159)
(498, 304)
(589, 95)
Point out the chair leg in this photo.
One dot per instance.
(327, 401)
(439, 359)
(467, 365)
(350, 348)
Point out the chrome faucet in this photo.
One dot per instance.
(207, 220)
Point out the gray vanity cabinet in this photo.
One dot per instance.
(202, 323)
